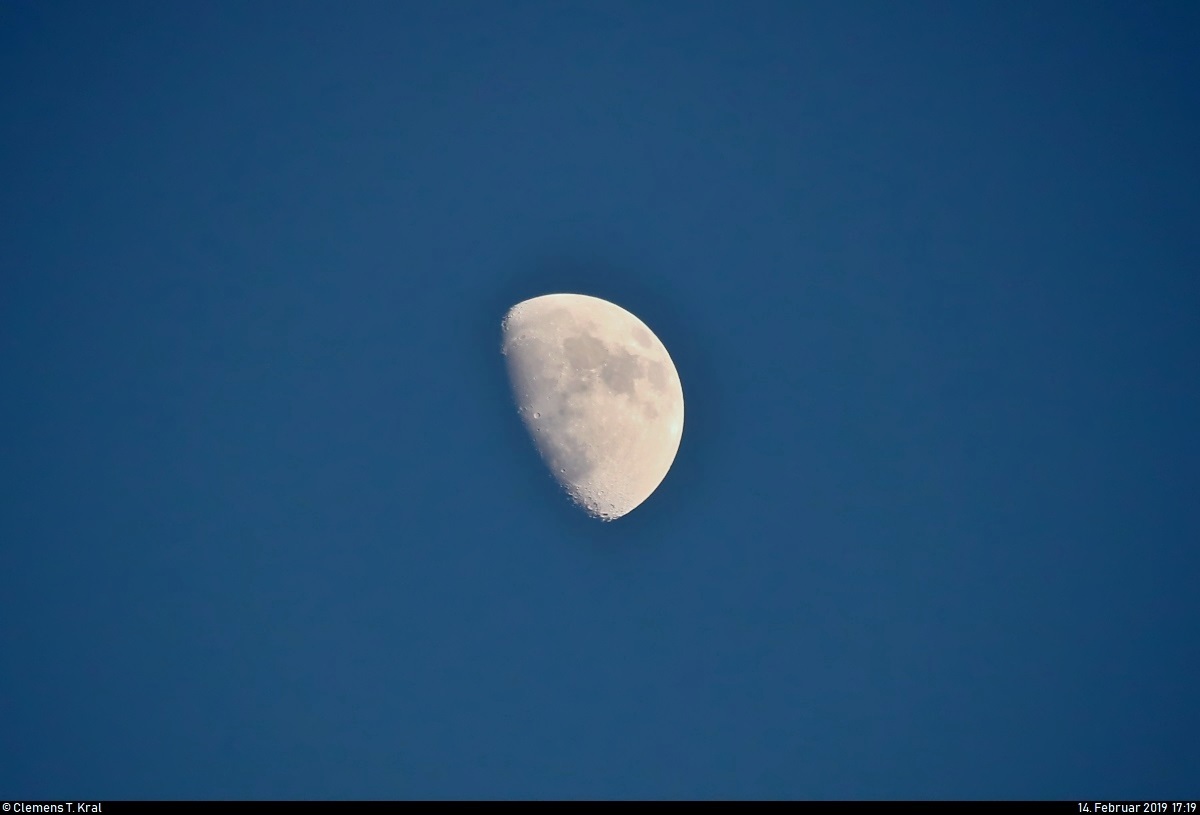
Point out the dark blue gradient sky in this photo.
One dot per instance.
(930, 273)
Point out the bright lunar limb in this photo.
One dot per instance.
(599, 395)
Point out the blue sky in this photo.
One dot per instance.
(270, 527)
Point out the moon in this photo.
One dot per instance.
(599, 395)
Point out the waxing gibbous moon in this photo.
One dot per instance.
(598, 394)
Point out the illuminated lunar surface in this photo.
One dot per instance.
(599, 395)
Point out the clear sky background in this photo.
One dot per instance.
(269, 523)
